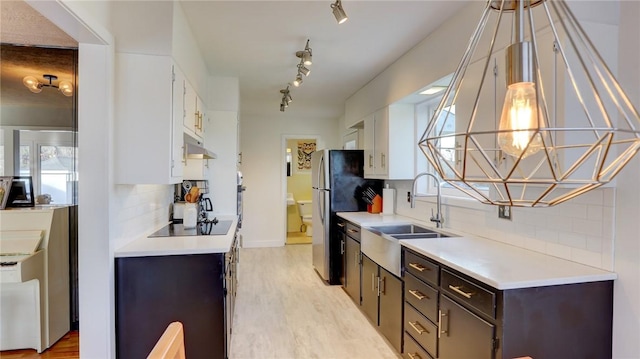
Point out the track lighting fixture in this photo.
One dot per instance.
(35, 86)
(302, 69)
(286, 99)
(298, 81)
(305, 55)
(338, 12)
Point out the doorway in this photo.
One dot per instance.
(297, 152)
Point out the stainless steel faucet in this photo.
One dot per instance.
(437, 218)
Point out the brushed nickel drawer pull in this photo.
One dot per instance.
(416, 293)
(419, 267)
(418, 328)
(459, 291)
(352, 230)
(414, 356)
(341, 225)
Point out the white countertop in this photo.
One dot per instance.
(497, 264)
(164, 246)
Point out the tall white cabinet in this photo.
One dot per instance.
(148, 121)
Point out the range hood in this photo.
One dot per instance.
(197, 151)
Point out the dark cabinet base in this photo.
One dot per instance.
(152, 292)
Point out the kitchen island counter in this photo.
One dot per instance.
(180, 245)
(497, 264)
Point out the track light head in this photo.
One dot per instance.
(338, 12)
(282, 107)
(303, 70)
(306, 55)
(298, 81)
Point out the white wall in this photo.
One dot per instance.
(626, 320)
(599, 228)
(263, 167)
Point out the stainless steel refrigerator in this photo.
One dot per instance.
(338, 186)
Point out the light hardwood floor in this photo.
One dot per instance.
(298, 238)
(284, 310)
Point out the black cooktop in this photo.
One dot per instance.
(202, 229)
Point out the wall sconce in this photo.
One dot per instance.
(338, 12)
(35, 86)
(566, 126)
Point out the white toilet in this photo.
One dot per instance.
(304, 208)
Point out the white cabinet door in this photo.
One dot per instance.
(389, 143)
(381, 143)
(177, 140)
(143, 120)
(369, 140)
(191, 117)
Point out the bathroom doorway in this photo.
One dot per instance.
(297, 155)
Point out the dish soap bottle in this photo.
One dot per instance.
(190, 216)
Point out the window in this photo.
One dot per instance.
(424, 112)
(51, 158)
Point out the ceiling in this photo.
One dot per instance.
(256, 41)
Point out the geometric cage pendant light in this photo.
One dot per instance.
(532, 116)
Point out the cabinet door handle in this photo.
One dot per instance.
(342, 247)
(383, 160)
(418, 328)
(419, 267)
(382, 286)
(373, 282)
(414, 356)
(370, 161)
(442, 329)
(459, 290)
(417, 294)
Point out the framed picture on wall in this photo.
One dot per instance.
(5, 187)
(21, 193)
(305, 149)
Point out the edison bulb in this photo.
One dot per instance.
(519, 120)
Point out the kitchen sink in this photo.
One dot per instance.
(402, 229)
(419, 235)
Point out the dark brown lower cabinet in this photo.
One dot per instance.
(152, 292)
(370, 289)
(390, 318)
(475, 320)
(462, 333)
(382, 301)
(352, 269)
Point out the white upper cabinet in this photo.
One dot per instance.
(192, 112)
(149, 142)
(389, 145)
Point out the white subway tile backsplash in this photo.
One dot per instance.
(142, 208)
(580, 230)
(559, 250)
(575, 240)
(586, 257)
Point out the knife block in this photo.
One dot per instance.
(376, 206)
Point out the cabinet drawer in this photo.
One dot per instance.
(421, 268)
(412, 350)
(423, 297)
(353, 231)
(420, 328)
(469, 293)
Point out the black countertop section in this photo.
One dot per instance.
(201, 229)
